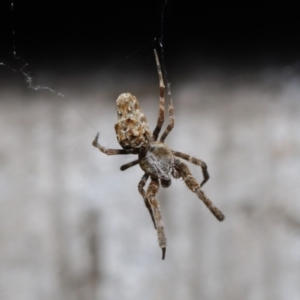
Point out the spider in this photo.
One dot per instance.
(155, 158)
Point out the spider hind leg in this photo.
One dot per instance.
(171, 116)
(161, 111)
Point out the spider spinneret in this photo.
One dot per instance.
(155, 158)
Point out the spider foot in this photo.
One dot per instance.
(163, 252)
(214, 210)
(95, 141)
(218, 214)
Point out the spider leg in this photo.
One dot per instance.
(129, 165)
(161, 112)
(108, 151)
(192, 184)
(171, 115)
(151, 196)
(142, 192)
(194, 161)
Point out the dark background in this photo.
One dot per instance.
(59, 32)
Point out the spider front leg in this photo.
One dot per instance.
(194, 161)
(151, 196)
(195, 187)
(108, 151)
(142, 192)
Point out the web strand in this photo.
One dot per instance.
(22, 66)
(161, 40)
(14, 48)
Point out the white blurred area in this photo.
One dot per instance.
(73, 226)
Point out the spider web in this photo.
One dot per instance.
(148, 38)
(24, 69)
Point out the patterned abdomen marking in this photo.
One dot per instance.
(132, 129)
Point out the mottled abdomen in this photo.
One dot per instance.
(132, 129)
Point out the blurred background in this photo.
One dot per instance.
(73, 226)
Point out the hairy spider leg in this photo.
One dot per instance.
(193, 185)
(109, 151)
(171, 115)
(194, 161)
(142, 192)
(161, 112)
(151, 196)
(129, 165)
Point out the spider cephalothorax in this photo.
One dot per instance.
(155, 158)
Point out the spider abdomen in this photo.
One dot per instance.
(132, 129)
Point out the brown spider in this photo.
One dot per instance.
(155, 158)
